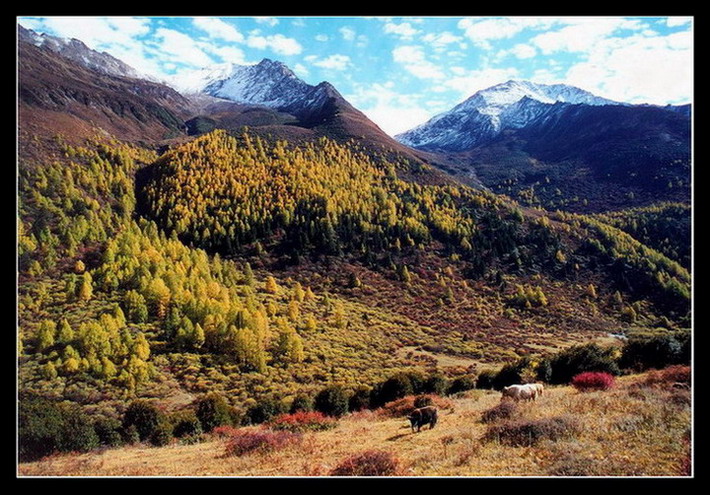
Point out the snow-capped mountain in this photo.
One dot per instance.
(77, 51)
(510, 105)
(267, 83)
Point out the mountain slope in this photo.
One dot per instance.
(487, 113)
(77, 51)
(56, 93)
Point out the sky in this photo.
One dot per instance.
(401, 71)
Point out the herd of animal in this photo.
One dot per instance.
(428, 415)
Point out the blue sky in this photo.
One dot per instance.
(400, 71)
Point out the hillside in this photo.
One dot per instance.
(632, 430)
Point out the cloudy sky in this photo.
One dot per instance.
(402, 71)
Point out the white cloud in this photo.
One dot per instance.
(226, 53)
(483, 30)
(96, 32)
(521, 51)
(322, 37)
(394, 113)
(278, 43)
(678, 21)
(439, 41)
(413, 59)
(300, 69)
(271, 21)
(581, 34)
(332, 62)
(362, 41)
(182, 47)
(298, 23)
(218, 29)
(348, 33)
(404, 30)
(475, 80)
(638, 69)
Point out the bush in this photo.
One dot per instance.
(504, 410)
(393, 388)
(332, 401)
(108, 431)
(162, 435)
(245, 441)
(641, 353)
(45, 426)
(436, 384)
(185, 424)
(578, 359)
(144, 416)
(369, 463)
(591, 380)
(485, 379)
(265, 409)
(301, 403)
(422, 401)
(528, 433)
(672, 374)
(302, 422)
(462, 383)
(212, 410)
(361, 399)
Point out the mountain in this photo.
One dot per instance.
(487, 113)
(77, 51)
(269, 98)
(57, 94)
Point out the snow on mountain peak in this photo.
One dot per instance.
(486, 113)
(269, 83)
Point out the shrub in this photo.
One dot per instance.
(436, 384)
(504, 410)
(144, 416)
(185, 424)
(46, 426)
(360, 399)
(591, 380)
(301, 403)
(108, 431)
(672, 374)
(265, 409)
(212, 410)
(303, 421)
(393, 388)
(485, 379)
(368, 463)
(245, 441)
(578, 359)
(224, 431)
(332, 401)
(528, 433)
(162, 434)
(461, 384)
(643, 352)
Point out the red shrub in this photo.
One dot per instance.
(368, 463)
(224, 431)
(245, 441)
(670, 375)
(303, 421)
(593, 380)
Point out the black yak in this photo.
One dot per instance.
(423, 416)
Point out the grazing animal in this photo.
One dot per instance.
(539, 388)
(423, 416)
(520, 392)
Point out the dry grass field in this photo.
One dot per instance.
(637, 428)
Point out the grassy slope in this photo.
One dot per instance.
(631, 430)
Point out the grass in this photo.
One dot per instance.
(631, 430)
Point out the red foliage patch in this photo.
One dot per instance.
(673, 374)
(593, 380)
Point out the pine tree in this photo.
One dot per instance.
(86, 289)
(271, 286)
(65, 334)
(46, 335)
